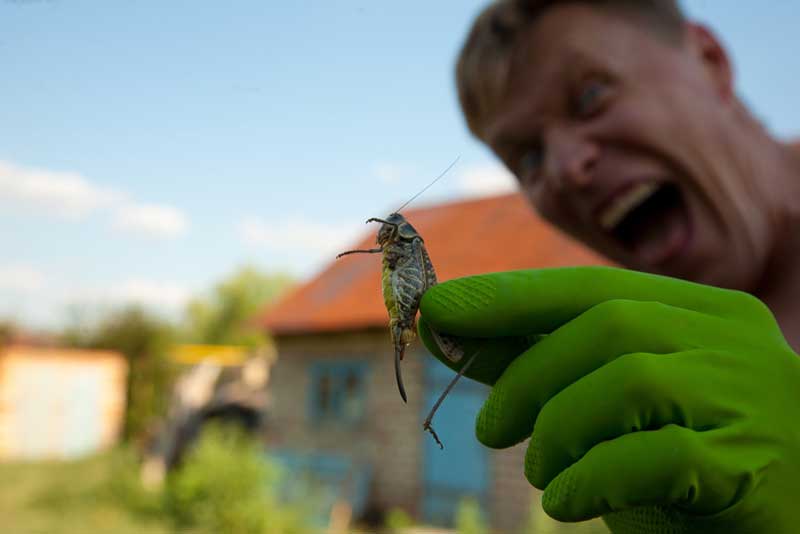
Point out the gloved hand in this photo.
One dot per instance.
(662, 405)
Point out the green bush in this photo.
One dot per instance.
(469, 518)
(540, 523)
(124, 487)
(398, 520)
(227, 485)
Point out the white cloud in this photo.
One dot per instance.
(151, 220)
(67, 194)
(21, 278)
(485, 180)
(298, 234)
(29, 297)
(71, 195)
(157, 294)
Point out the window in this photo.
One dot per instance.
(338, 392)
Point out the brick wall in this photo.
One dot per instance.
(390, 437)
(512, 495)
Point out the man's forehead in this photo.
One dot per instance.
(560, 47)
(573, 33)
(534, 90)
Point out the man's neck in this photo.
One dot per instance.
(783, 298)
(780, 284)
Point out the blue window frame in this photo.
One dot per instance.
(338, 392)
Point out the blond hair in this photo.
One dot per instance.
(485, 61)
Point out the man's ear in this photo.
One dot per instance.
(713, 57)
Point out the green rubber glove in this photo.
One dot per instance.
(661, 405)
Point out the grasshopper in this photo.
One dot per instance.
(406, 274)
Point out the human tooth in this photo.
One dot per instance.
(622, 205)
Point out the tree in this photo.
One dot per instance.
(8, 330)
(225, 315)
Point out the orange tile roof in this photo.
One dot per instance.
(463, 238)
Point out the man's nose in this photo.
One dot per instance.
(570, 159)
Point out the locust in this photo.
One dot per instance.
(407, 273)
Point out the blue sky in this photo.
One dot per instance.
(148, 148)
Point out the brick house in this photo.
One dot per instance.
(335, 404)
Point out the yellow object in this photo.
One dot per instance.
(227, 355)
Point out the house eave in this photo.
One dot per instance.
(287, 331)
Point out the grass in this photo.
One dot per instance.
(101, 494)
(73, 497)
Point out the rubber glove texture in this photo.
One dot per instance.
(661, 405)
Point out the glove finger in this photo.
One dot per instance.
(635, 392)
(672, 466)
(578, 348)
(539, 301)
(495, 353)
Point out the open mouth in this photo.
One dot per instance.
(650, 220)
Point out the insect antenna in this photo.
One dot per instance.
(429, 185)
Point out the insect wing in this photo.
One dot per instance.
(425, 260)
(408, 283)
(449, 345)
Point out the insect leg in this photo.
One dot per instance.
(428, 420)
(376, 219)
(449, 346)
(368, 251)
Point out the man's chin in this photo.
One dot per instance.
(724, 272)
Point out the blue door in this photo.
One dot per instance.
(461, 469)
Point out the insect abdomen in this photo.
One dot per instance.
(388, 293)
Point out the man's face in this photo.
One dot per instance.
(634, 146)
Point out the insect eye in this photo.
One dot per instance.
(591, 97)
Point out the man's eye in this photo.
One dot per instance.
(590, 98)
(530, 161)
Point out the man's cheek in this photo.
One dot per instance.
(554, 211)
